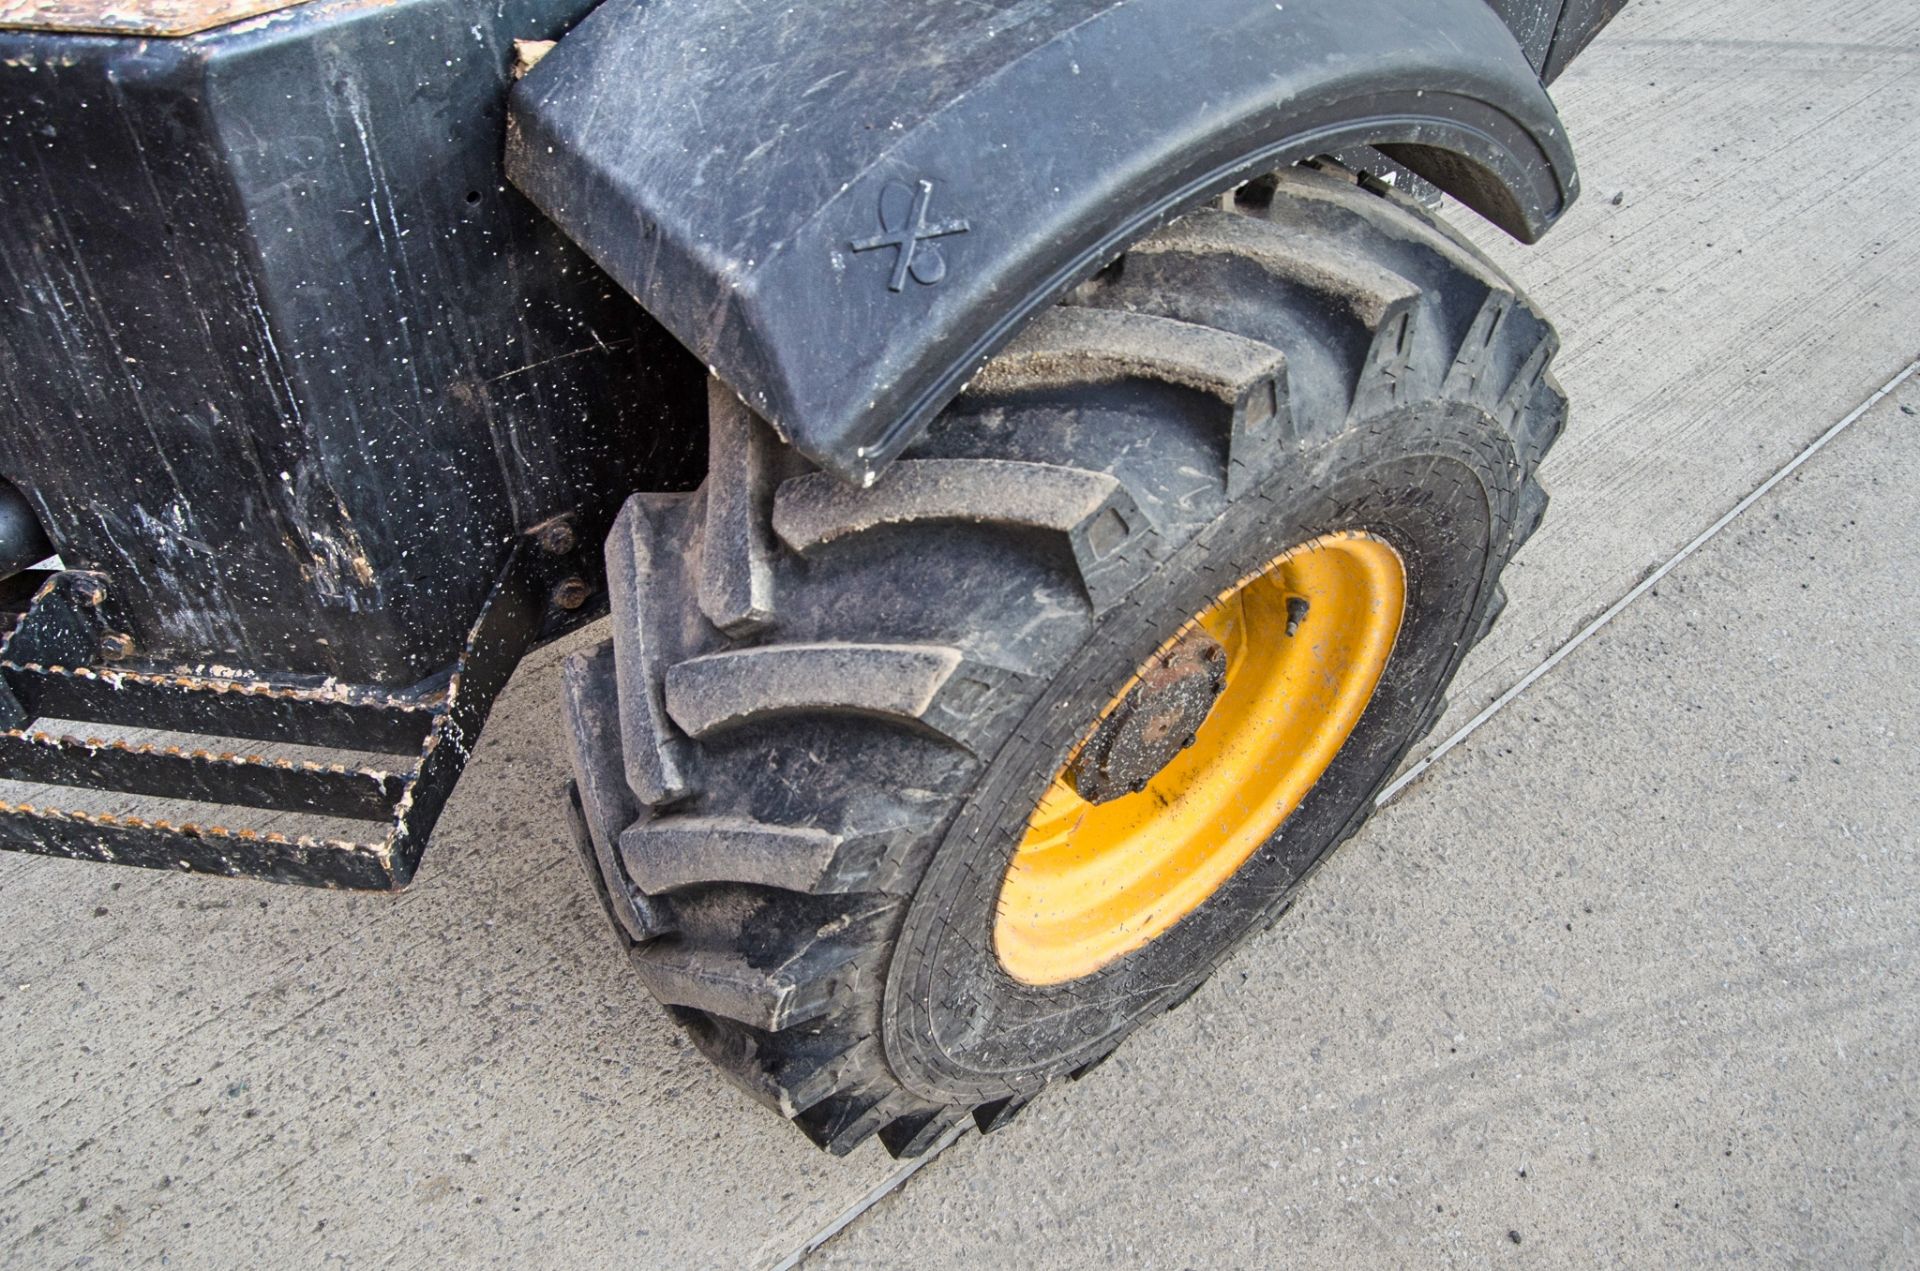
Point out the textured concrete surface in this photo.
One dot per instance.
(1629, 978)
(222, 1073)
(1737, 276)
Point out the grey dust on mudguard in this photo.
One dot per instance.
(844, 208)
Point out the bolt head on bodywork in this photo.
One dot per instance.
(572, 593)
(557, 538)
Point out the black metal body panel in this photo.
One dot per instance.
(323, 419)
(50, 734)
(282, 357)
(22, 541)
(845, 207)
(1553, 32)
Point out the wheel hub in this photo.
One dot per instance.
(1159, 717)
(1200, 758)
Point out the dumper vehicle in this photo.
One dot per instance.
(1042, 462)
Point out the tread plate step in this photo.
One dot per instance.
(387, 761)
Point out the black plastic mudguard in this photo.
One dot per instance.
(845, 207)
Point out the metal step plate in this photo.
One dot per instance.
(208, 755)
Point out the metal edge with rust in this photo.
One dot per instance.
(439, 721)
(164, 18)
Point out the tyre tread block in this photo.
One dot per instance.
(935, 687)
(843, 1122)
(654, 759)
(788, 1071)
(910, 1137)
(683, 851)
(1093, 510)
(735, 587)
(1384, 304)
(819, 960)
(999, 1114)
(1495, 607)
(1071, 346)
(1533, 509)
(605, 804)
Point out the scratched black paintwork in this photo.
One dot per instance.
(282, 357)
(439, 722)
(1553, 32)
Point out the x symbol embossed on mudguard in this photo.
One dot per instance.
(904, 225)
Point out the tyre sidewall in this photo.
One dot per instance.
(1440, 482)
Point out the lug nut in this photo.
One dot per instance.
(89, 590)
(116, 645)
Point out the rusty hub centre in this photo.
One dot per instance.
(1200, 757)
(1155, 721)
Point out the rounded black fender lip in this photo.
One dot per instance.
(844, 207)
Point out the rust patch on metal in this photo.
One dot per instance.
(527, 54)
(132, 17)
(39, 737)
(555, 535)
(1155, 721)
(342, 694)
(571, 593)
(190, 829)
(438, 722)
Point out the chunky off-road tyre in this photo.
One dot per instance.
(811, 748)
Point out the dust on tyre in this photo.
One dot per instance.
(1207, 542)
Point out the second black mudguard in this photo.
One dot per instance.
(845, 207)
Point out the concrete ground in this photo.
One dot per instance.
(213, 1073)
(1629, 978)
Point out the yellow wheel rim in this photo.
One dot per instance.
(1090, 882)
